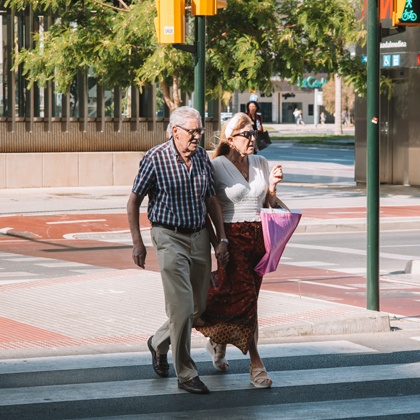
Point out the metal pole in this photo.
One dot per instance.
(200, 70)
(372, 188)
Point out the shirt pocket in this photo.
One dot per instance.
(200, 184)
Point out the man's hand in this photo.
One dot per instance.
(133, 212)
(222, 254)
(139, 255)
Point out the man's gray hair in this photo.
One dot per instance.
(181, 116)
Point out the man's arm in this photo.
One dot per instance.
(133, 212)
(215, 212)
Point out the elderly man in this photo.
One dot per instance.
(177, 177)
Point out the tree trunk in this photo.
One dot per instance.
(338, 128)
(167, 96)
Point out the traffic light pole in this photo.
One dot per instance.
(200, 69)
(372, 187)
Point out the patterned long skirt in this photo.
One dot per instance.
(231, 312)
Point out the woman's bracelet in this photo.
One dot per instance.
(272, 192)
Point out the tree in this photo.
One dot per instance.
(319, 35)
(248, 42)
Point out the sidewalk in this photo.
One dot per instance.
(117, 310)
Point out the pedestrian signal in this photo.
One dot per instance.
(406, 13)
(170, 21)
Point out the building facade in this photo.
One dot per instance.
(93, 135)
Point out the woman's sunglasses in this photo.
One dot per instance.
(247, 134)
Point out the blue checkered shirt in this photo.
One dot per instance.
(176, 196)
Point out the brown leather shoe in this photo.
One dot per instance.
(194, 385)
(160, 363)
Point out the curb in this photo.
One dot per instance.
(369, 322)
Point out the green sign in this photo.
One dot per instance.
(311, 83)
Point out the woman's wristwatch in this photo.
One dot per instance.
(225, 240)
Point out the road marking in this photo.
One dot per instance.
(67, 222)
(313, 264)
(23, 258)
(314, 283)
(100, 361)
(351, 251)
(17, 274)
(417, 284)
(62, 264)
(5, 230)
(216, 383)
(347, 212)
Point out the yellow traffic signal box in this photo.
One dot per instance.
(406, 13)
(170, 21)
(206, 7)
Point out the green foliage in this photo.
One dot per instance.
(247, 43)
(316, 36)
(240, 53)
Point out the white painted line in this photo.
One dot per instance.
(24, 258)
(76, 234)
(400, 246)
(314, 283)
(94, 269)
(216, 383)
(347, 212)
(62, 264)
(68, 222)
(96, 361)
(5, 230)
(351, 251)
(353, 270)
(313, 264)
(410, 283)
(17, 274)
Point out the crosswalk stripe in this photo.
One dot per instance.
(216, 383)
(199, 355)
(322, 410)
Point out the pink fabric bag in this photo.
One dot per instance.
(278, 226)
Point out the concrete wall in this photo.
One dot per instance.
(38, 170)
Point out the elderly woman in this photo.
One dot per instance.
(244, 184)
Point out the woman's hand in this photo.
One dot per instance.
(276, 176)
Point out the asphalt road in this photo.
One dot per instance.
(352, 376)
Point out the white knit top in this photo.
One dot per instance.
(241, 200)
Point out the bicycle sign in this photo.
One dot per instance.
(406, 12)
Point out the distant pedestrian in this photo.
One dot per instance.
(301, 118)
(296, 114)
(345, 119)
(178, 178)
(252, 110)
(322, 118)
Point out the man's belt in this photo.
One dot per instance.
(177, 229)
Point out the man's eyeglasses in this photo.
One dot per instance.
(247, 134)
(193, 132)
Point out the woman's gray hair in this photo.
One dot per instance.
(181, 116)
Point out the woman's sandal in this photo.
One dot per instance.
(218, 353)
(259, 377)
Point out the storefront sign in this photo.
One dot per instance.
(311, 83)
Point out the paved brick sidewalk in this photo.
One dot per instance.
(117, 311)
